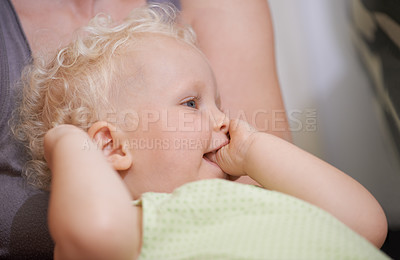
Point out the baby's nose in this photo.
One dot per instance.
(221, 123)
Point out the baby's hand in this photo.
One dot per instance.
(231, 157)
(54, 135)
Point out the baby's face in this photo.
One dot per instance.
(180, 123)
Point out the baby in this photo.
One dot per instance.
(132, 111)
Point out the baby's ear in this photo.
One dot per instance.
(110, 141)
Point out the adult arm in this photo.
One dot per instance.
(90, 211)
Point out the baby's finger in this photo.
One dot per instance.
(225, 159)
(239, 127)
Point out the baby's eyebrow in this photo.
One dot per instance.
(196, 86)
(199, 85)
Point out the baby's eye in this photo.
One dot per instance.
(192, 103)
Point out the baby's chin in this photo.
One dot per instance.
(215, 172)
(218, 175)
(224, 176)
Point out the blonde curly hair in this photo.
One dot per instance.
(76, 84)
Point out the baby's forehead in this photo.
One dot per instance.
(165, 62)
(152, 50)
(147, 50)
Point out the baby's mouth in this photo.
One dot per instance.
(211, 156)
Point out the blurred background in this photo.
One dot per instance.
(331, 98)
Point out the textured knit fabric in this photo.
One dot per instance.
(218, 219)
(23, 210)
(14, 55)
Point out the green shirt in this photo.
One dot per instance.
(219, 219)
